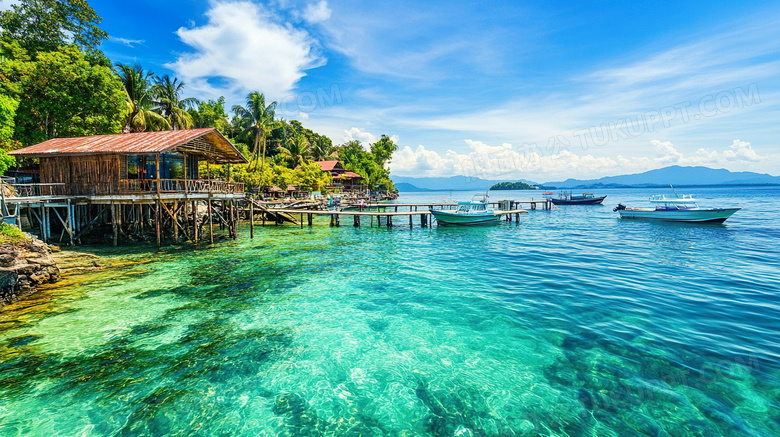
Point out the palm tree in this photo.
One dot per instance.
(257, 118)
(140, 116)
(298, 150)
(166, 94)
(322, 150)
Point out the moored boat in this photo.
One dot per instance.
(467, 214)
(565, 198)
(676, 209)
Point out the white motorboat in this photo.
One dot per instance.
(468, 214)
(676, 209)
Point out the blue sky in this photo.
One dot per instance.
(498, 90)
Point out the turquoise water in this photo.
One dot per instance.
(571, 322)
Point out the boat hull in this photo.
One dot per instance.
(592, 201)
(710, 215)
(451, 218)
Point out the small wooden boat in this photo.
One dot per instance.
(565, 198)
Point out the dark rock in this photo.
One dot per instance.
(23, 267)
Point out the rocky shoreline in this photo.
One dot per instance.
(23, 267)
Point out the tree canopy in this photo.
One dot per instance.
(62, 94)
(43, 25)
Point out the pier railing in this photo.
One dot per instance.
(38, 190)
(180, 186)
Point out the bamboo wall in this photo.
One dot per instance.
(97, 174)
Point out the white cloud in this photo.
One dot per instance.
(127, 42)
(316, 12)
(531, 162)
(358, 134)
(244, 48)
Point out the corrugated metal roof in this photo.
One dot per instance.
(328, 165)
(352, 175)
(132, 143)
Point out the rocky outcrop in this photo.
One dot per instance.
(23, 267)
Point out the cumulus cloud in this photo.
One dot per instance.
(243, 48)
(532, 162)
(316, 12)
(357, 134)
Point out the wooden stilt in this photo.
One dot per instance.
(157, 218)
(310, 218)
(251, 219)
(114, 221)
(211, 223)
(175, 219)
(356, 220)
(195, 221)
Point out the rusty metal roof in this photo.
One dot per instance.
(352, 175)
(207, 141)
(329, 165)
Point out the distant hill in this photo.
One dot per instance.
(675, 175)
(451, 183)
(405, 186)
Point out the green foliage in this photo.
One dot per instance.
(16, 63)
(139, 116)
(383, 150)
(512, 186)
(43, 25)
(370, 165)
(168, 102)
(258, 120)
(63, 95)
(7, 113)
(6, 161)
(11, 234)
(212, 114)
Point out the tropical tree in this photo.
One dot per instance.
(258, 119)
(322, 150)
(298, 151)
(63, 94)
(43, 25)
(211, 114)
(166, 93)
(140, 116)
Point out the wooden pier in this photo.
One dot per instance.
(387, 212)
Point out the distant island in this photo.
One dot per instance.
(512, 186)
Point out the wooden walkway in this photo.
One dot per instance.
(298, 216)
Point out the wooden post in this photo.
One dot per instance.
(301, 220)
(251, 219)
(114, 223)
(175, 218)
(389, 221)
(356, 220)
(157, 218)
(195, 220)
(337, 220)
(411, 225)
(332, 221)
(211, 222)
(232, 224)
(311, 218)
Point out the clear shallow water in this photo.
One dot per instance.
(572, 322)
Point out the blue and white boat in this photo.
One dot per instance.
(676, 209)
(471, 213)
